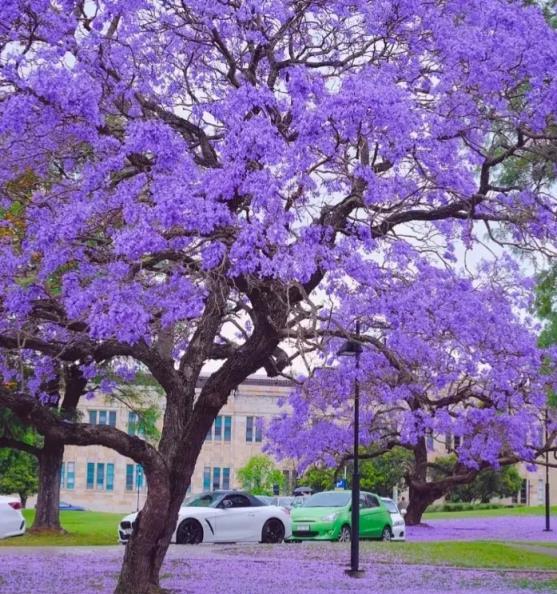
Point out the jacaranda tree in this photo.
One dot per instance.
(442, 356)
(206, 171)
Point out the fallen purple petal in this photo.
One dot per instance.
(494, 528)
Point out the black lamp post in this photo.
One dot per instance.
(547, 506)
(353, 348)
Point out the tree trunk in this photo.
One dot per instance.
(419, 495)
(418, 502)
(23, 498)
(153, 530)
(47, 516)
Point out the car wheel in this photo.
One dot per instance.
(345, 534)
(189, 532)
(273, 531)
(386, 535)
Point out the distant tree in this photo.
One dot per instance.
(488, 484)
(259, 475)
(319, 478)
(18, 474)
(379, 475)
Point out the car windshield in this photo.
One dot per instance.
(390, 505)
(328, 500)
(203, 500)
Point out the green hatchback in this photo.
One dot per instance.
(327, 516)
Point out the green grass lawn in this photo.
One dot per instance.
(479, 554)
(485, 513)
(83, 528)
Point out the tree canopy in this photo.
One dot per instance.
(206, 174)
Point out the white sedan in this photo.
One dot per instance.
(12, 522)
(223, 516)
(397, 517)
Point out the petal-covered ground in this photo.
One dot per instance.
(308, 568)
(314, 568)
(503, 528)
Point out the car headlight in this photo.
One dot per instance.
(398, 523)
(330, 517)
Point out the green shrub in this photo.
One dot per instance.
(459, 507)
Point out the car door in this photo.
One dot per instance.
(237, 520)
(370, 516)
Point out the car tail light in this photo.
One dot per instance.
(15, 504)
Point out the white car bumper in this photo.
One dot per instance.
(399, 533)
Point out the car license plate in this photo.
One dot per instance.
(303, 527)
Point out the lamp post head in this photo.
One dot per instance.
(350, 348)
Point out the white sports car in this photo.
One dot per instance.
(12, 523)
(223, 516)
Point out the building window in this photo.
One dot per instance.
(216, 433)
(100, 476)
(254, 429)
(227, 428)
(218, 428)
(207, 478)
(429, 440)
(110, 477)
(133, 424)
(90, 475)
(135, 477)
(67, 475)
(129, 477)
(102, 417)
(215, 478)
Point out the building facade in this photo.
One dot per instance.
(100, 479)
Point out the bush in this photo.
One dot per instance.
(459, 507)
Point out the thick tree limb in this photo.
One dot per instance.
(15, 444)
(45, 421)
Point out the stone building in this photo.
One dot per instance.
(100, 479)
